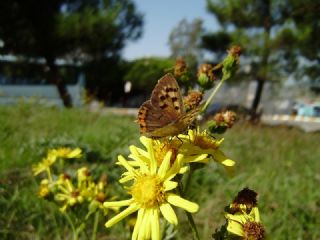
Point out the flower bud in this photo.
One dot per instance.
(206, 78)
(180, 68)
(192, 100)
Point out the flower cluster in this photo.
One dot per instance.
(69, 190)
(154, 183)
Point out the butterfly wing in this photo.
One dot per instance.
(151, 118)
(167, 97)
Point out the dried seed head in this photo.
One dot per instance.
(193, 99)
(253, 231)
(247, 197)
(180, 68)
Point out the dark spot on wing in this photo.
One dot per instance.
(164, 106)
(162, 97)
(174, 99)
(176, 108)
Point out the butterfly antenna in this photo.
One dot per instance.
(179, 139)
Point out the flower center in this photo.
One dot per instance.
(205, 142)
(148, 191)
(160, 151)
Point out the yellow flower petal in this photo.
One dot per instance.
(132, 208)
(137, 226)
(184, 169)
(155, 225)
(175, 168)
(168, 213)
(125, 164)
(147, 224)
(197, 158)
(126, 179)
(182, 203)
(75, 153)
(118, 203)
(235, 228)
(169, 185)
(164, 165)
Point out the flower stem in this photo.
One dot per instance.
(212, 94)
(95, 226)
(189, 216)
(163, 230)
(74, 231)
(193, 226)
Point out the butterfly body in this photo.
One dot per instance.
(164, 115)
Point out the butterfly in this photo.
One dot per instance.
(164, 114)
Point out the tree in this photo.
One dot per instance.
(145, 72)
(87, 30)
(264, 29)
(305, 17)
(185, 42)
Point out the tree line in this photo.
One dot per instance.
(279, 38)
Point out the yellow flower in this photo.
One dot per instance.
(246, 225)
(67, 194)
(44, 165)
(150, 192)
(197, 143)
(44, 189)
(65, 152)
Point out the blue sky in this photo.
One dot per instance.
(160, 17)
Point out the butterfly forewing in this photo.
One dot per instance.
(166, 96)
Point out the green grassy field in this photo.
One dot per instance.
(281, 164)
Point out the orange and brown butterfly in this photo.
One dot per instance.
(164, 114)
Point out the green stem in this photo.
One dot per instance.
(95, 226)
(193, 226)
(188, 180)
(189, 216)
(49, 175)
(212, 94)
(163, 230)
(74, 231)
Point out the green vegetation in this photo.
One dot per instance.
(275, 36)
(279, 163)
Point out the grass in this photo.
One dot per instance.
(281, 164)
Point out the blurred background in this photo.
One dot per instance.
(70, 52)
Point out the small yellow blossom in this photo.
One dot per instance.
(67, 194)
(196, 144)
(44, 189)
(44, 165)
(150, 192)
(64, 152)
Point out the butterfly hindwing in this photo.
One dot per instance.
(150, 118)
(176, 127)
